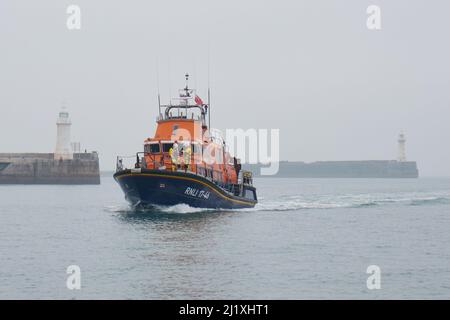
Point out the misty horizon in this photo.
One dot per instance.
(336, 90)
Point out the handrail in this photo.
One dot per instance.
(201, 169)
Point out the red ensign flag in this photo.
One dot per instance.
(198, 100)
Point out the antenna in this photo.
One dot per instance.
(159, 105)
(186, 90)
(168, 73)
(209, 88)
(157, 85)
(195, 74)
(208, 63)
(187, 81)
(209, 110)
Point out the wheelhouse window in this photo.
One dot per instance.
(152, 148)
(167, 146)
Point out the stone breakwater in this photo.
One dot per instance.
(42, 168)
(342, 169)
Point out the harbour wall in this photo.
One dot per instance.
(42, 168)
(342, 169)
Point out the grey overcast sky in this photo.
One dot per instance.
(336, 90)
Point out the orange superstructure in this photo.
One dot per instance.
(184, 163)
(182, 142)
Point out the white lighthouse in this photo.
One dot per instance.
(63, 148)
(401, 147)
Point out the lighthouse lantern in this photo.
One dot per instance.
(63, 149)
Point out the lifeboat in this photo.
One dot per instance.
(184, 163)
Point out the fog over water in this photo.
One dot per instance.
(336, 90)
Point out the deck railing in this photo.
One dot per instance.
(147, 160)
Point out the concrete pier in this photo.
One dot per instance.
(43, 168)
(342, 169)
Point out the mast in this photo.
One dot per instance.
(209, 86)
(159, 104)
(157, 84)
(209, 110)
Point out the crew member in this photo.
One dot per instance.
(187, 157)
(175, 154)
(237, 166)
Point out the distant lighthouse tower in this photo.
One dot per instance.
(63, 148)
(401, 147)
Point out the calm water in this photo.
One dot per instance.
(308, 238)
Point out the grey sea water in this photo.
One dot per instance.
(308, 238)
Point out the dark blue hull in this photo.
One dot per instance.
(155, 187)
